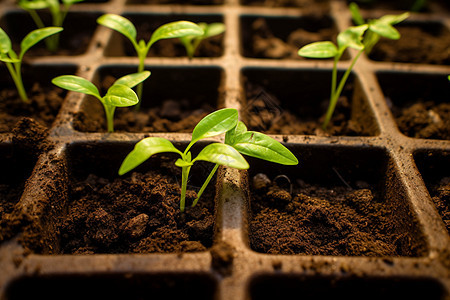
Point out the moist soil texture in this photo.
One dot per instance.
(440, 193)
(315, 220)
(43, 107)
(426, 120)
(138, 214)
(264, 43)
(421, 45)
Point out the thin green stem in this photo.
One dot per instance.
(334, 76)
(205, 184)
(142, 55)
(337, 94)
(184, 180)
(109, 112)
(17, 78)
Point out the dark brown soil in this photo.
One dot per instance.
(273, 118)
(427, 44)
(285, 3)
(425, 120)
(265, 40)
(138, 214)
(319, 220)
(441, 197)
(44, 106)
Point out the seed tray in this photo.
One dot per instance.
(398, 167)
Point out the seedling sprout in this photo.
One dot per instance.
(237, 140)
(14, 62)
(119, 94)
(191, 42)
(167, 31)
(57, 12)
(361, 38)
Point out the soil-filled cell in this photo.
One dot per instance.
(174, 99)
(138, 212)
(79, 27)
(337, 201)
(434, 167)
(146, 24)
(115, 286)
(420, 43)
(419, 103)
(282, 37)
(45, 99)
(287, 101)
(370, 288)
(307, 4)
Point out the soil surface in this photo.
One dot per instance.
(287, 3)
(425, 120)
(43, 107)
(315, 220)
(418, 44)
(265, 43)
(274, 119)
(138, 214)
(441, 197)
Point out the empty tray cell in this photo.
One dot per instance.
(419, 103)
(131, 286)
(78, 30)
(138, 212)
(420, 43)
(307, 4)
(282, 37)
(341, 201)
(174, 99)
(45, 98)
(146, 24)
(315, 287)
(434, 167)
(288, 101)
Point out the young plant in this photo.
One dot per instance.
(191, 42)
(167, 31)
(237, 140)
(14, 62)
(57, 12)
(119, 94)
(361, 38)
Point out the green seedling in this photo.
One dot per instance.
(119, 94)
(57, 11)
(237, 140)
(361, 38)
(14, 62)
(191, 42)
(167, 31)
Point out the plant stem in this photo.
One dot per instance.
(109, 112)
(337, 93)
(142, 55)
(17, 78)
(184, 180)
(205, 184)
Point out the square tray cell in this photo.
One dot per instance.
(134, 213)
(45, 98)
(419, 103)
(345, 201)
(371, 288)
(293, 101)
(281, 37)
(174, 99)
(196, 286)
(420, 43)
(434, 167)
(146, 24)
(79, 27)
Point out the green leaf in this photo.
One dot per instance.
(36, 36)
(215, 123)
(175, 30)
(231, 134)
(5, 42)
(120, 95)
(33, 5)
(261, 146)
(224, 155)
(385, 30)
(120, 24)
(134, 79)
(70, 2)
(351, 37)
(324, 49)
(356, 15)
(393, 19)
(212, 29)
(182, 163)
(5, 58)
(143, 150)
(76, 84)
